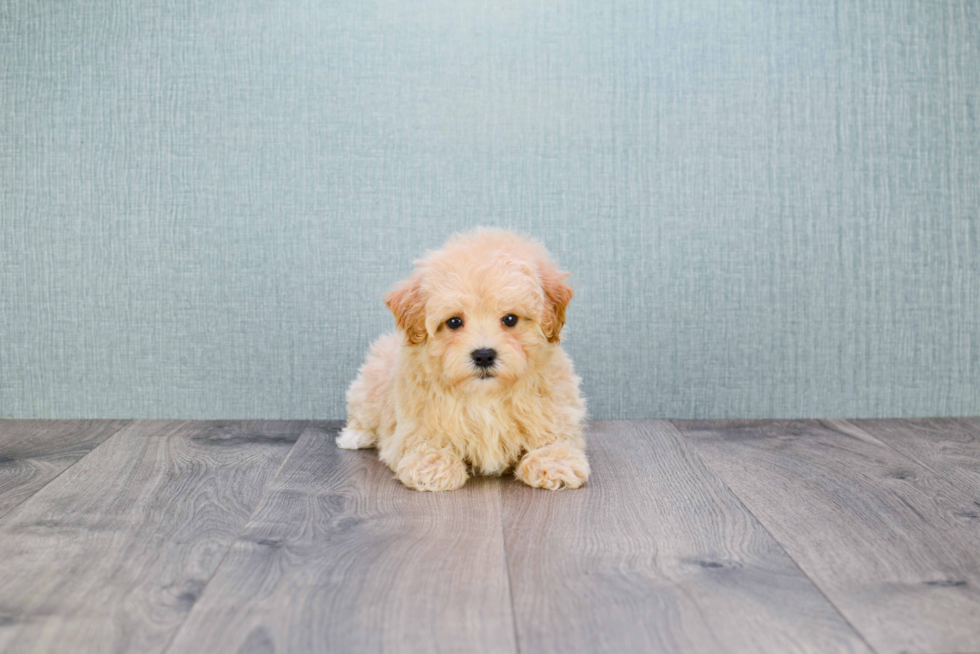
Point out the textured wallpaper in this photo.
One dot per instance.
(771, 209)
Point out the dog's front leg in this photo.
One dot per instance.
(430, 469)
(558, 465)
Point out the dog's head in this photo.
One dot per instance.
(483, 310)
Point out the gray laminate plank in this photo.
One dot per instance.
(111, 555)
(946, 446)
(884, 538)
(340, 557)
(655, 554)
(33, 452)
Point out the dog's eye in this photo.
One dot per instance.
(454, 323)
(509, 320)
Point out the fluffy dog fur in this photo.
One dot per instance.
(432, 413)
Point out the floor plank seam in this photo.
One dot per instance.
(796, 563)
(510, 585)
(13, 508)
(265, 492)
(916, 462)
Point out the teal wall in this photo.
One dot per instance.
(771, 208)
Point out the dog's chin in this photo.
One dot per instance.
(482, 383)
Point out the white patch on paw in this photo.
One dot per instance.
(354, 439)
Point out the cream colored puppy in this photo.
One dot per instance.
(474, 378)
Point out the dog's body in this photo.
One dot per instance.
(475, 374)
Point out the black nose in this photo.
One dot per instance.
(484, 358)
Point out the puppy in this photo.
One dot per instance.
(474, 379)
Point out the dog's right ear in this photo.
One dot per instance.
(407, 302)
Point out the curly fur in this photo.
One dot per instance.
(422, 402)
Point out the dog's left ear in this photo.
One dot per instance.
(407, 302)
(557, 295)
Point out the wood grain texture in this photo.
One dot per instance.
(340, 557)
(111, 555)
(33, 452)
(949, 447)
(656, 555)
(889, 541)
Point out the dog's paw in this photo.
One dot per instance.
(432, 471)
(355, 439)
(553, 467)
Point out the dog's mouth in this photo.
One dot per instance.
(485, 374)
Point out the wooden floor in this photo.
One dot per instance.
(710, 537)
